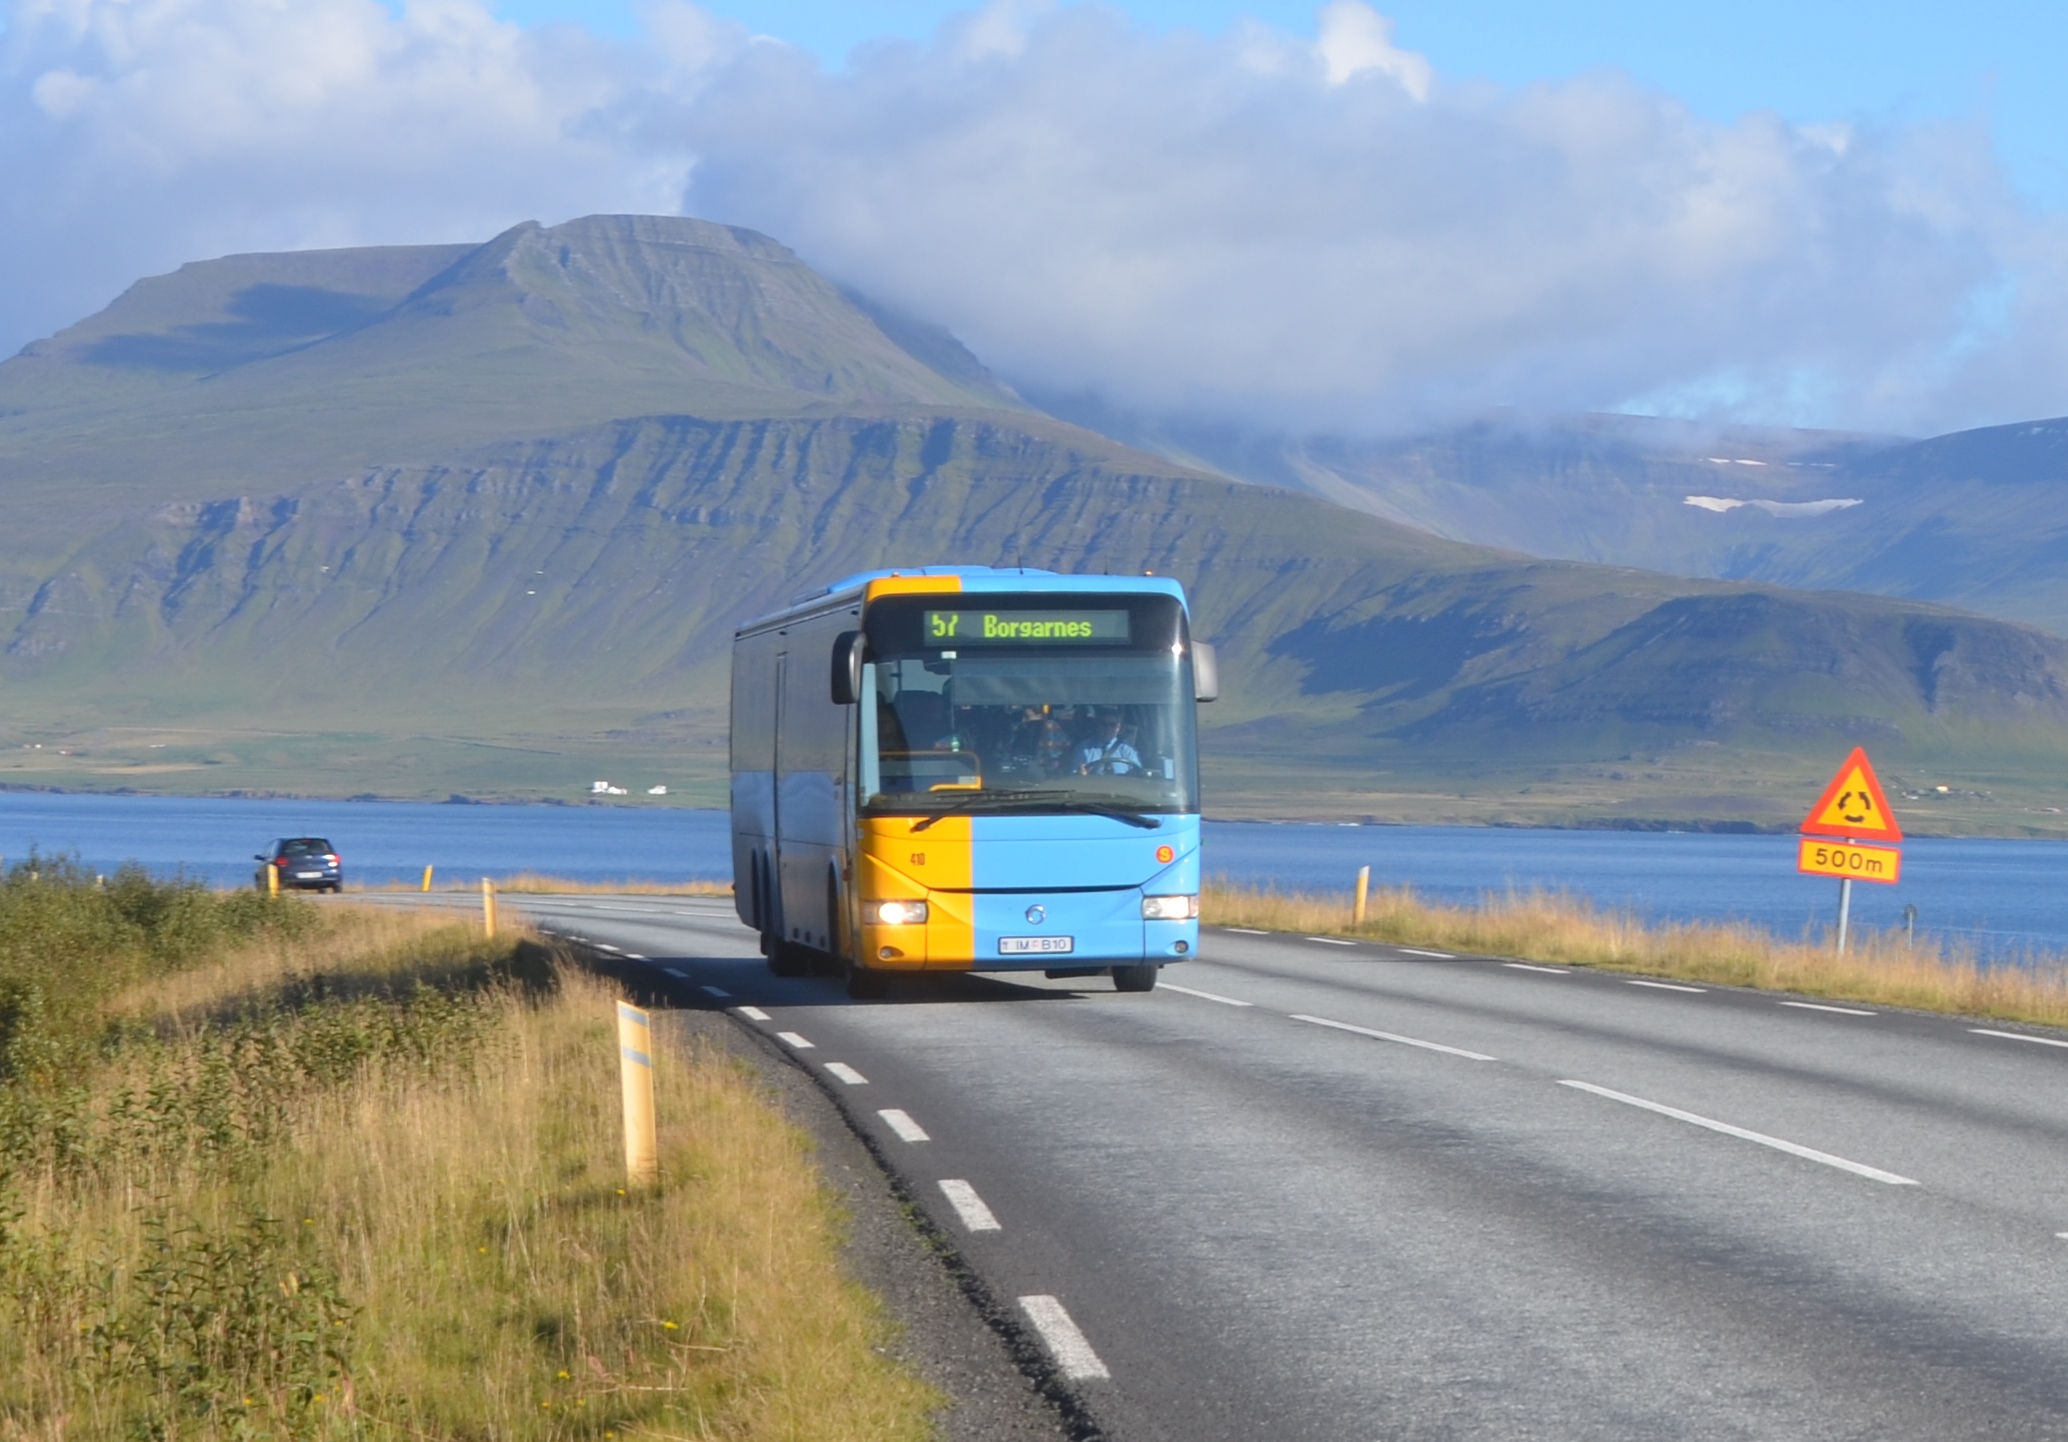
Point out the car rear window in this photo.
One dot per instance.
(305, 846)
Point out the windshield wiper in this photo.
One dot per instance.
(1066, 800)
(975, 796)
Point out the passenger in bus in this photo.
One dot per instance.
(1041, 742)
(1108, 753)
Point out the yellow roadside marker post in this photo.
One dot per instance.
(635, 1067)
(1363, 890)
(427, 878)
(272, 879)
(487, 906)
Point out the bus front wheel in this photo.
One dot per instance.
(1135, 978)
(866, 985)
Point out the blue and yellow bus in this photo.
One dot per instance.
(967, 769)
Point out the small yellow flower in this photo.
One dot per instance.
(481, 1249)
(669, 1325)
(621, 1191)
(308, 1221)
(563, 1374)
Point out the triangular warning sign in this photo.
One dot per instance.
(1854, 805)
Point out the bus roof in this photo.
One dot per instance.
(965, 579)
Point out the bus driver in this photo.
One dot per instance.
(1107, 753)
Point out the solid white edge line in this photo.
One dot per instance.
(2017, 1036)
(901, 1122)
(1393, 1036)
(1665, 986)
(1202, 995)
(1245, 931)
(847, 1073)
(1793, 1149)
(1819, 1006)
(1411, 951)
(1065, 1342)
(795, 1040)
(1330, 940)
(969, 1206)
(752, 1013)
(1547, 970)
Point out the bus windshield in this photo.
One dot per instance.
(1034, 729)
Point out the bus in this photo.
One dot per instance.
(970, 769)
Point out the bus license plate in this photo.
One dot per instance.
(1036, 945)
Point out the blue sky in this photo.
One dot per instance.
(1997, 62)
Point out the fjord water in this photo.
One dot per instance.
(2002, 898)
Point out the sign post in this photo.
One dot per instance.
(1853, 809)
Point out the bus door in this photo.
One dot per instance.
(776, 928)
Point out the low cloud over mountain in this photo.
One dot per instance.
(1320, 233)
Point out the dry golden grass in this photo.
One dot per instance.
(453, 1225)
(1570, 931)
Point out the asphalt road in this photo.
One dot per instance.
(1356, 1191)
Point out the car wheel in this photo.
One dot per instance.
(1135, 978)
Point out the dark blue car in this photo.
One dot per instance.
(309, 863)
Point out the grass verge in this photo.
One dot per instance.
(533, 882)
(347, 1173)
(1570, 931)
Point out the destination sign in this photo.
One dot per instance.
(1853, 863)
(1026, 628)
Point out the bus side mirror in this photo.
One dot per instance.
(1206, 673)
(847, 668)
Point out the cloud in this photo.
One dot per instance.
(1327, 234)
(138, 134)
(1322, 233)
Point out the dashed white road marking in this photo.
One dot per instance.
(2017, 1036)
(1394, 1036)
(1202, 995)
(1331, 941)
(969, 1206)
(603, 946)
(1819, 1006)
(1665, 986)
(751, 1013)
(902, 1123)
(677, 972)
(1793, 1149)
(1245, 931)
(847, 1073)
(1069, 1346)
(795, 1040)
(1547, 970)
(717, 991)
(634, 956)
(1411, 951)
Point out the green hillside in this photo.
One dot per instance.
(515, 499)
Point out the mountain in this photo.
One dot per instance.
(481, 520)
(1974, 519)
(236, 371)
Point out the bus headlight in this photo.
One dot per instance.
(1169, 908)
(894, 913)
